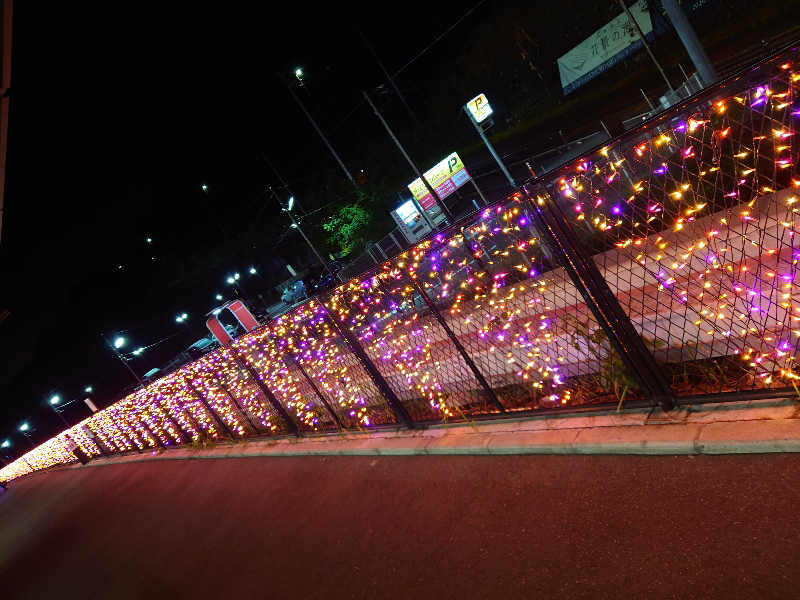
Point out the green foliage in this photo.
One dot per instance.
(612, 372)
(347, 227)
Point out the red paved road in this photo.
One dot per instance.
(408, 527)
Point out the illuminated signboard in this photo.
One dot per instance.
(445, 177)
(479, 108)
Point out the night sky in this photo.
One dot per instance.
(117, 119)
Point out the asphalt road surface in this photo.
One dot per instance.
(408, 527)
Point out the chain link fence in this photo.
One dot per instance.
(658, 268)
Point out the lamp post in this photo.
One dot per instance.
(5, 444)
(295, 225)
(115, 346)
(24, 428)
(298, 73)
(54, 401)
(234, 281)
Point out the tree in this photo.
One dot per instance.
(347, 227)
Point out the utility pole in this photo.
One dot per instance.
(122, 360)
(318, 130)
(406, 156)
(296, 225)
(388, 77)
(282, 181)
(690, 41)
(60, 416)
(491, 149)
(645, 44)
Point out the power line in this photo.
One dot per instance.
(436, 40)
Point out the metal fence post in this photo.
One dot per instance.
(291, 360)
(601, 301)
(125, 435)
(183, 432)
(151, 432)
(89, 432)
(221, 422)
(240, 408)
(276, 406)
(192, 421)
(380, 382)
(461, 350)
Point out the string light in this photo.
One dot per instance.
(695, 225)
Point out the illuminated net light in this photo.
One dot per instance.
(200, 376)
(701, 253)
(691, 220)
(187, 408)
(283, 380)
(81, 439)
(309, 337)
(374, 310)
(239, 383)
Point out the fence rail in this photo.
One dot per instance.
(661, 266)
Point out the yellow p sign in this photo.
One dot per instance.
(479, 107)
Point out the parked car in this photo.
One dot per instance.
(294, 293)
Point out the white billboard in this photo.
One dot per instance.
(604, 48)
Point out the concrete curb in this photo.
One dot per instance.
(757, 427)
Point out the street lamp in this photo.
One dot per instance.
(88, 389)
(233, 280)
(24, 429)
(204, 187)
(253, 271)
(219, 296)
(149, 240)
(6, 444)
(181, 318)
(298, 72)
(55, 399)
(119, 342)
(295, 225)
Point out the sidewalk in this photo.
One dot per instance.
(733, 428)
